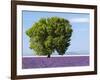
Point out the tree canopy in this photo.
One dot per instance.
(50, 34)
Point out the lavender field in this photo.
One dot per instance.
(44, 62)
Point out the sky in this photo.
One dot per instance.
(80, 24)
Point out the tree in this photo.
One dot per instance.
(49, 35)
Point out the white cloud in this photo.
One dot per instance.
(79, 20)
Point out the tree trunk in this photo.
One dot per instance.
(49, 56)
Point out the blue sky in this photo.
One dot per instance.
(80, 24)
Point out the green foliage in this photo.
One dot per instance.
(50, 34)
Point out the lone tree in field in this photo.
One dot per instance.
(49, 35)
